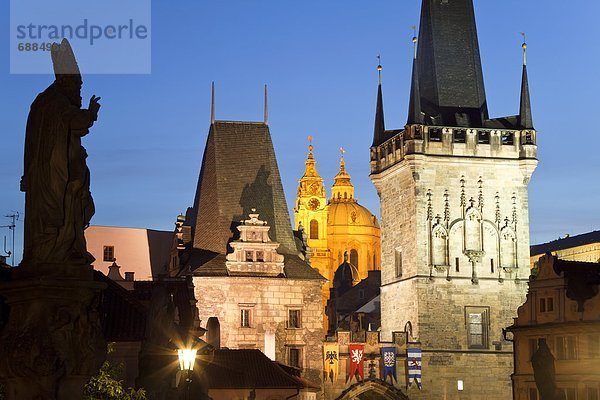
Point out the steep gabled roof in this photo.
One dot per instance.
(565, 243)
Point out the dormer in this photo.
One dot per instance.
(254, 253)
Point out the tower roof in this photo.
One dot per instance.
(449, 65)
(239, 172)
(525, 118)
(379, 129)
(342, 189)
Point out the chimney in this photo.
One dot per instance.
(129, 276)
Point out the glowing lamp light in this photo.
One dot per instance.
(460, 385)
(187, 359)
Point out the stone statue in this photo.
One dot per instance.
(56, 180)
(544, 372)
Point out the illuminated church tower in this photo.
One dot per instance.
(454, 211)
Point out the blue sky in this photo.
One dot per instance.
(318, 58)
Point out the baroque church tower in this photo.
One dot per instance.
(454, 212)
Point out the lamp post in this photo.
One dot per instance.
(187, 359)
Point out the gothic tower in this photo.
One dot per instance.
(454, 212)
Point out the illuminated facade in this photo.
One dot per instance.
(337, 225)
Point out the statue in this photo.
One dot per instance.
(544, 372)
(56, 180)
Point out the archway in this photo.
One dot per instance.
(372, 389)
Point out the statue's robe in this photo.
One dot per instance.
(58, 202)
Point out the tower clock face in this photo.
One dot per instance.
(313, 204)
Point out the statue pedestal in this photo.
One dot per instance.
(52, 343)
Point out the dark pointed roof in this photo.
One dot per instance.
(239, 173)
(379, 131)
(414, 105)
(449, 64)
(525, 118)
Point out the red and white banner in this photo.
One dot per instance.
(357, 361)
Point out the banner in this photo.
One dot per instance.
(357, 360)
(388, 358)
(414, 366)
(331, 353)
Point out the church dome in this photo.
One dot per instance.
(345, 276)
(350, 213)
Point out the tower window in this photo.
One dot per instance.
(245, 318)
(492, 265)
(314, 229)
(354, 257)
(249, 256)
(477, 327)
(108, 253)
(294, 318)
(295, 357)
(398, 263)
(457, 264)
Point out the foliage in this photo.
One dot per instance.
(107, 386)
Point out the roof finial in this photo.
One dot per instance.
(524, 46)
(266, 116)
(379, 67)
(414, 40)
(310, 146)
(212, 104)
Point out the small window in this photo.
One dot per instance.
(566, 348)
(294, 318)
(594, 346)
(294, 357)
(477, 327)
(398, 263)
(260, 256)
(492, 265)
(245, 315)
(354, 258)
(109, 253)
(542, 305)
(249, 256)
(550, 304)
(314, 229)
(457, 264)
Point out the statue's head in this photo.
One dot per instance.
(66, 70)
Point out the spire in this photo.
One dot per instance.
(414, 107)
(449, 64)
(342, 189)
(310, 170)
(212, 103)
(379, 131)
(266, 116)
(525, 118)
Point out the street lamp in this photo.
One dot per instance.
(187, 359)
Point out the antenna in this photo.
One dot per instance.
(14, 217)
(266, 109)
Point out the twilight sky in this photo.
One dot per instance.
(319, 59)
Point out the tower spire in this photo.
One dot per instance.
(379, 130)
(449, 63)
(342, 189)
(414, 107)
(266, 109)
(525, 118)
(212, 103)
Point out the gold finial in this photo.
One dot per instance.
(524, 46)
(414, 40)
(342, 151)
(310, 146)
(379, 67)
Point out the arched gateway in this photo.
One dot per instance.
(372, 389)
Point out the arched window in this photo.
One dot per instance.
(314, 229)
(354, 257)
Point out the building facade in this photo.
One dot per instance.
(562, 308)
(335, 225)
(249, 270)
(584, 247)
(454, 212)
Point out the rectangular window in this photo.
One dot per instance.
(294, 318)
(260, 256)
(398, 263)
(109, 253)
(457, 264)
(550, 304)
(533, 394)
(566, 347)
(492, 265)
(295, 357)
(594, 346)
(542, 305)
(249, 256)
(245, 314)
(477, 327)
